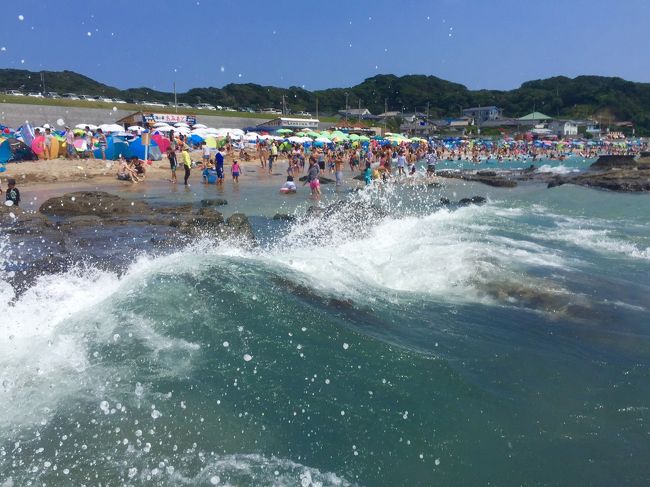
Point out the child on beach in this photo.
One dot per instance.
(236, 170)
(13, 194)
(367, 175)
(219, 159)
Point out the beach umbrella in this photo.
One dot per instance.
(199, 126)
(324, 140)
(181, 124)
(111, 127)
(284, 131)
(160, 124)
(313, 134)
(83, 126)
(136, 128)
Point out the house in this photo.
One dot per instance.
(355, 113)
(533, 118)
(564, 128)
(482, 114)
(289, 123)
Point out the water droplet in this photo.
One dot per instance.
(22, 61)
(247, 358)
(222, 69)
(114, 109)
(21, 17)
(345, 346)
(239, 75)
(89, 34)
(437, 462)
(214, 480)
(60, 122)
(3, 48)
(226, 344)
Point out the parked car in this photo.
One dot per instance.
(14, 93)
(53, 95)
(155, 104)
(87, 98)
(71, 96)
(303, 114)
(229, 109)
(204, 106)
(106, 100)
(184, 105)
(270, 111)
(119, 101)
(35, 94)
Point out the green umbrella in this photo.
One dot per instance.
(364, 138)
(284, 131)
(311, 133)
(354, 137)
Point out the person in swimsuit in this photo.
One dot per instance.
(236, 170)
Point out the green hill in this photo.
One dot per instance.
(613, 99)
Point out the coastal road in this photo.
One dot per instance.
(14, 115)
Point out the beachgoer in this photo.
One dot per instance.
(173, 162)
(206, 153)
(88, 137)
(338, 163)
(289, 186)
(103, 143)
(48, 144)
(187, 163)
(236, 170)
(219, 159)
(273, 156)
(312, 178)
(367, 174)
(13, 194)
(71, 152)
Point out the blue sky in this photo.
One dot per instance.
(494, 44)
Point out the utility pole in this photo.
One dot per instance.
(346, 105)
(385, 113)
(175, 98)
(316, 107)
(359, 110)
(284, 106)
(43, 82)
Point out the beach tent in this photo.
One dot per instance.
(12, 149)
(116, 146)
(136, 149)
(163, 142)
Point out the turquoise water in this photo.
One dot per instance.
(502, 344)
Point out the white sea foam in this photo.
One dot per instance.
(561, 169)
(44, 354)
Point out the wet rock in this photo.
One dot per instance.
(96, 203)
(322, 179)
(491, 178)
(206, 203)
(239, 226)
(610, 162)
(284, 216)
(474, 200)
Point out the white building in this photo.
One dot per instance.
(564, 128)
(291, 123)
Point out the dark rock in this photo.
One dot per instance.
(284, 216)
(206, 203)
(491, 178)
(239, 226)
(610, 162)
(444, 201)
(322, 179)
(474, 200)
(97, 203)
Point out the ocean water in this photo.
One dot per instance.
(501, 344)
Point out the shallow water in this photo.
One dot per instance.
(499, 344)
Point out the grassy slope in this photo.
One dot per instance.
(28, 100)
